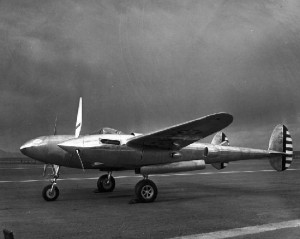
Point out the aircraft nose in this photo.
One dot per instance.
(23, 149)
(27, 148)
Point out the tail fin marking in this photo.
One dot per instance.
(281, 141)
(287, 147)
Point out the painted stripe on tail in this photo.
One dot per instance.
(287, 148)
(281, 141)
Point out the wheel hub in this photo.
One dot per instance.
(106, 184)
(51, 193)
(147, 192)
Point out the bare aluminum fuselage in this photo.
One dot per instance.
(46, 150)
(109, 151)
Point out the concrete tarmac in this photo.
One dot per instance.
(245, 194)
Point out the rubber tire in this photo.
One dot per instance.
(103, 186)
(146, 191)
(46, 193)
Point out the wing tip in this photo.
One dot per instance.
(225, 116)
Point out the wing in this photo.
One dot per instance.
(181, 135)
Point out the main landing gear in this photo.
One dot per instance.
(146, 190)
(106, 183)
(51, 191)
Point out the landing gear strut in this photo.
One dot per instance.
(146, 190)
(51, 191)
(106, 183)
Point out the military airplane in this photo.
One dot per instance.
(174, 149)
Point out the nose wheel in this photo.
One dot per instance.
(106, 183)
(51, 191)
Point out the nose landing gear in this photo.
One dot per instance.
(51, 191)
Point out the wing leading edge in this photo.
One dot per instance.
(181, 135)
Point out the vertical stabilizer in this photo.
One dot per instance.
(220, 139)
(79, 119)
(281, 141)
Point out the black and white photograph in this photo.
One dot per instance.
(176, 119)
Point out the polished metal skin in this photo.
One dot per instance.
(45, 149)
(173, 149)
(111, 152)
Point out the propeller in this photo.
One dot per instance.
(55, 124)
(54, 167)
(45, 168)
(46, 165)
(78, 128)
(79, 119)
(78, 154)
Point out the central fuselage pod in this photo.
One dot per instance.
(111, 151)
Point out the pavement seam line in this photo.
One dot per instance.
(244, 230)
(138, 176)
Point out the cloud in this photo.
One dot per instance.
(143, 65)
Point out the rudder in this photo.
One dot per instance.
(281, 141)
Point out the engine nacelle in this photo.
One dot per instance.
(215, 153)
(211, 152)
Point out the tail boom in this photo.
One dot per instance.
(218, 153)
(279, 153)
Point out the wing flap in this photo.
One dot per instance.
(181, 135)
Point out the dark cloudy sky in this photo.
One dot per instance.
(143, 65)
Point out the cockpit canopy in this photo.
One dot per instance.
(107, 130)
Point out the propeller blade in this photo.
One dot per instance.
(79, 119)
(77, 151)
(54, 131)
(55, 169)
(45, 168)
